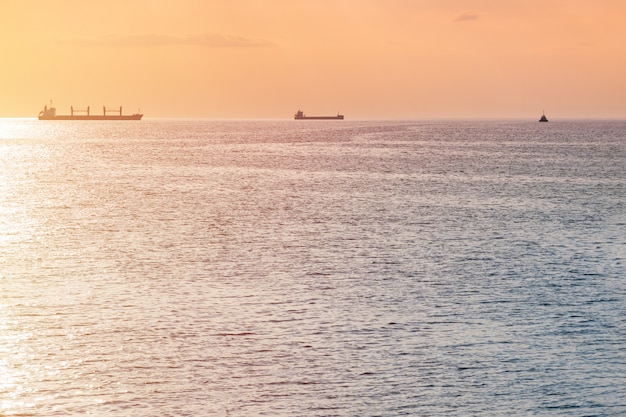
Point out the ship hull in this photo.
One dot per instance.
(340, 117)
(90, 117)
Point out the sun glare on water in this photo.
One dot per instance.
(10, 354)
(14, 128)
(14, 220)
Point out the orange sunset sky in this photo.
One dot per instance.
(369, 59)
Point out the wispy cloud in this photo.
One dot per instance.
(208, 40)
(466, 16)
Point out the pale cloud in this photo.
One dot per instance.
(208, 40)
(466, 16)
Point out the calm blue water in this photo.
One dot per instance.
(196, 268)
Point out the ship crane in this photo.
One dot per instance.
(73, 110)
(104, 110)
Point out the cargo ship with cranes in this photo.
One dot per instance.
(50, 113)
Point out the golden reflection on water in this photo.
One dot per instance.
(10, 356)
(16, 128)
(7, 338)
(18, 370)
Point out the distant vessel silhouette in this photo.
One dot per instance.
(50, 113)
(301, 116)
(543, 117)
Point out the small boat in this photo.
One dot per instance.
(543, 117)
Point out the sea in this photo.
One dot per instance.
(174, 267)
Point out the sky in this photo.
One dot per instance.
(265, 59)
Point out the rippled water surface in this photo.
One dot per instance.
(170, 267)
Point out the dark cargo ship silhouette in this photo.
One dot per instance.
(51, 114)
(301, 116)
